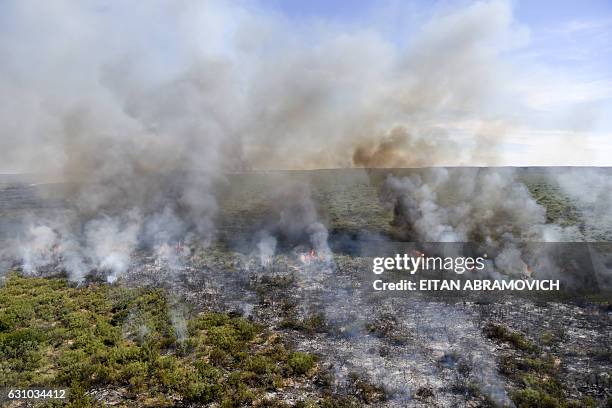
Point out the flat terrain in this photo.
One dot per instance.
(221, 328)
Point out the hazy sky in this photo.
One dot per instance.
(562, 68)
(547, 93)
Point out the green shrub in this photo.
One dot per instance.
(531, 398)
(301, 363)
(503, 334)
(260, 364)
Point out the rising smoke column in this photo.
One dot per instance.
(489, 207)
(464, 205)
(295, 221)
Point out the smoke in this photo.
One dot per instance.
(177, 319)
(490, 207)
(318, 239)
(142, 110)
(38, 248)
(267, 249)
(299, 220)
(111, 243)
(590, 191)
(105, 245)
(202, 87)
(400, 149)
(465, 205)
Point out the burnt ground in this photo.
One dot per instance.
(411, 350)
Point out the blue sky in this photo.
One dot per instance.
(573, 34)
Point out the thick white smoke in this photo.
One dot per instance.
(111, 242)
(466, 205)
(38, 248)
(144, 108)
(490, 207)
(298, 216)
(201, 86)
(267, 249)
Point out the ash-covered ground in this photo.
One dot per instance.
(309, 281)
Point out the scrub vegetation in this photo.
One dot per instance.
(98, 337)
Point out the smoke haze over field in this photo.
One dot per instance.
(491, 206)
(143, 109)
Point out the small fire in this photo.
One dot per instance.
(309, 257)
